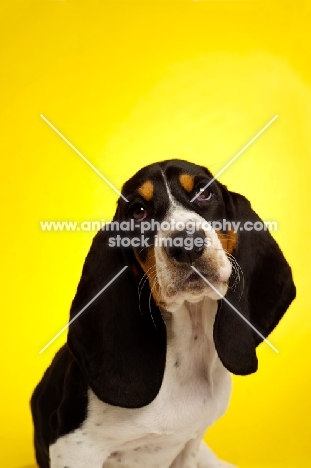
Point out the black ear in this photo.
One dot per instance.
(268, 292)
(121, 350)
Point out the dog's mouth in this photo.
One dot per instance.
(192, 282)
(192, 279)
(195, 281)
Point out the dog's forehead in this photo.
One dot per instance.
(153, 181)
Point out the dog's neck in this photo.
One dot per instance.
(190, 339)
(192, 318)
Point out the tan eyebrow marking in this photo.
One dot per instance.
(186, 181)
(146, 190)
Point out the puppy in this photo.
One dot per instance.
(171, 300)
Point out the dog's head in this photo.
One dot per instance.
(182, 236)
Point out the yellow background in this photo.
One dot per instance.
(129, 83)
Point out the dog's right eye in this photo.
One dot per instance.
(138, 212)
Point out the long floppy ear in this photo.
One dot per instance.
(121, 350)
(268, 292)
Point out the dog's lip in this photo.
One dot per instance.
(190, 280)
(193, 277)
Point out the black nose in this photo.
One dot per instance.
(184, 247)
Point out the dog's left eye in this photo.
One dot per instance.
(205, 194)
(138, 212)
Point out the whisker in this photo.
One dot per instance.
(238, 270)
(150, 311)
(145, 278)
(145, 275)
(145, 247)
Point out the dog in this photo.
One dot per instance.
(158, 324)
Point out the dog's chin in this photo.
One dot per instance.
(194, 290)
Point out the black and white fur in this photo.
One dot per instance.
(146, 368)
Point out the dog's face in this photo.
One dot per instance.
(120, 341)
(179, 231)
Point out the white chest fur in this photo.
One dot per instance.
(195, 392)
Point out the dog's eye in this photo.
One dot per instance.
(139, 212)
(205, 194)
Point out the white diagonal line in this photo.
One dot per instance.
(236, 156)
(83, 157)
(82, 310)
(235, 310)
